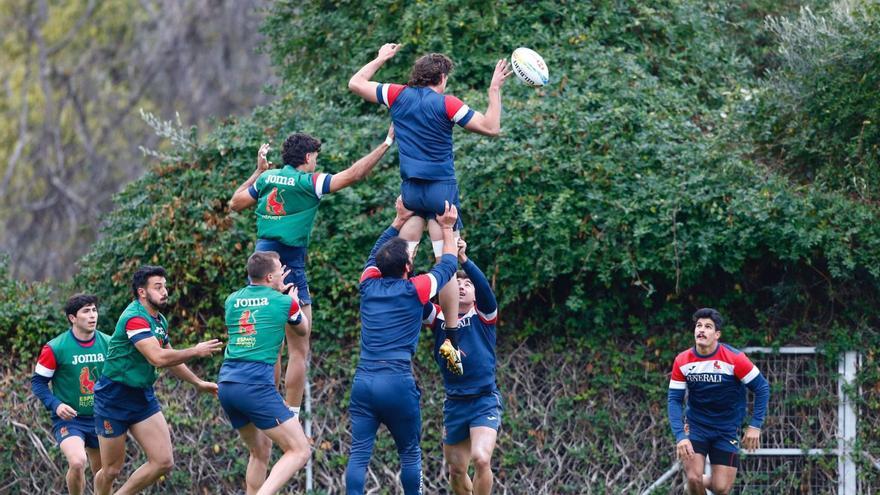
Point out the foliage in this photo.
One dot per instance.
(818, 117)
(619, 198)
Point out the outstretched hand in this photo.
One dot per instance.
(387, 51)
(449, 216)
(500, 75)
(262, 163)
(462, 250)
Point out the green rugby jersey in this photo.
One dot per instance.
(256, 316)
(287, 203)
(74, 366)
(125, 364)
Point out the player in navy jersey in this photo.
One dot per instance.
(384, 390)
(715, 377)
(423, 118)
(472, 410)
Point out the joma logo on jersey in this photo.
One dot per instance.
(252, 301)
(88, 358)
(279, 179)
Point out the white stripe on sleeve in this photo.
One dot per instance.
(132, 333)
(677, 385)
(385, 95)
(430, 318)
(44, 371)
(319, 185)
(490, 316)
(433, 285)
(751, 375)
(460, 113)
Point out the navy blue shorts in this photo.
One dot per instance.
(80, 426)
(118, 406)
(426, 197)
(460, 415)
(721, 444)
(260, 404)
(294, 258)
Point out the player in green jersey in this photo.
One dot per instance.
(72, 362)
(286, 201)
(124, 397)
(257, 317)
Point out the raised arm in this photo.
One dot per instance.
(361, 84)
(429, 284)
(359, 169)
(400, 218)
(487, 305)
(489, 124)
(244, 196)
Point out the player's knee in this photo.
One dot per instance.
(482, 461)
(722, 488)
(456, 470)
(164, 464)
(77, 463)
(262, 452)
(111, 471)
(695, 480)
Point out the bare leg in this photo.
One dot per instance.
(154, 437)
(297, 363)
(693, 469)
(290, 437)
(413, 228)
(458, 457)
(260, 447)
(74, 450)
(721, 481)
(449, 292)
(482, 445)
(112, 458)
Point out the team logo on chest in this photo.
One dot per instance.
(86, 383)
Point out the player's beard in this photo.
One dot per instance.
(157, 304)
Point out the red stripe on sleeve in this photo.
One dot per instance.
(453, 105)
(47, 358)
(370, 272)
(393, 92)
(136, 323)
(677, 375)
(742, 365)
(423, 287)
(294, 307)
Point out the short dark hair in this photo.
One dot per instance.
(712, 314)
(428, 70)
(261, 264)
(297, 146)
(460, 274)
(392, 257)
(142, 276)
(79, 301)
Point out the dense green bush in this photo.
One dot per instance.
(619, 198)
(819, 115)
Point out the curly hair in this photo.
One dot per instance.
(428, 70)
(297, 146)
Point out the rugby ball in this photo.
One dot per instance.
(529, 67)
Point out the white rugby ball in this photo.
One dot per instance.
(529, 67)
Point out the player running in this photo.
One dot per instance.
(73, 361)
(384, 390)
(257, 318)
(715, 376)
(124, 398)
(472, 410)
(287, 202)
(423, 118)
